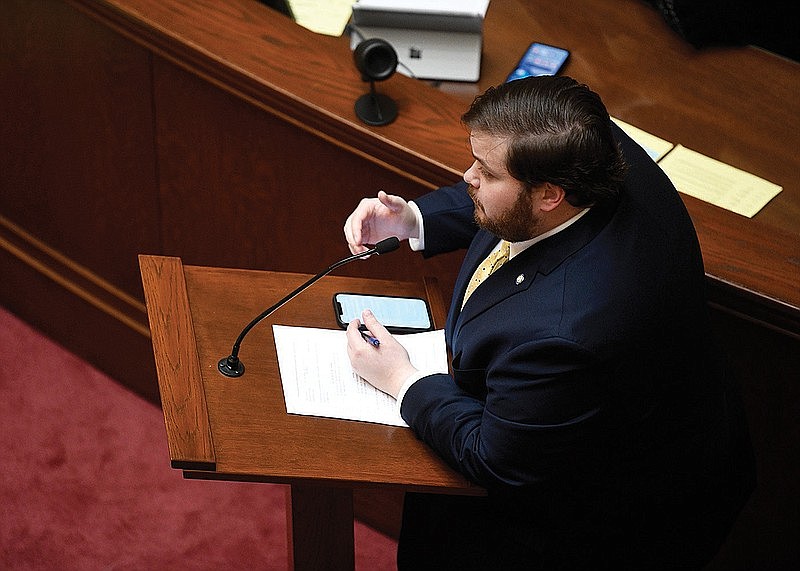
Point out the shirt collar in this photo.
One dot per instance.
(518, 247)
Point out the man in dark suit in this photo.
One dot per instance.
(585, 395)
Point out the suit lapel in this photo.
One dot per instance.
(520, 273)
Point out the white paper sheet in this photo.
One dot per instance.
(318, 380)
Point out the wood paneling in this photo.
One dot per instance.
(78, 167)
(244, 188)
(78, 184)
(766, 363)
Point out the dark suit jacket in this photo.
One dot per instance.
(585, 394)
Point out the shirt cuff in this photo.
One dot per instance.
(417, 244)
(407, 385)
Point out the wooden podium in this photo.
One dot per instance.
(238, 429)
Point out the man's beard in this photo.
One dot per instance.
(516, 224)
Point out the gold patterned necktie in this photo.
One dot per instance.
(487, 267)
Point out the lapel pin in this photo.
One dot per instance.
(520, 278)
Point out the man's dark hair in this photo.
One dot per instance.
(559, 131)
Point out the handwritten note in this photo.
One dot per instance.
(318, 380)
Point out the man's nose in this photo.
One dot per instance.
(470, 177)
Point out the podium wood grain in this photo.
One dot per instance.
(183, 399)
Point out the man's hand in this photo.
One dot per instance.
(386, 366)
(375, 219)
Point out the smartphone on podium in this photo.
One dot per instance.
(397, 314)
(539, 59)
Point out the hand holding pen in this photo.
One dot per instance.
(365, 333)
(382, 360)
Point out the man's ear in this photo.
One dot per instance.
(552, 196)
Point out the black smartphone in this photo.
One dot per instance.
(397, 314)
(539, 59)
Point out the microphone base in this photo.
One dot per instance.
(376, 109)
(231, 367)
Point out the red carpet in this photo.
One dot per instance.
(85, 481)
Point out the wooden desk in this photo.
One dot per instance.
(238, 429)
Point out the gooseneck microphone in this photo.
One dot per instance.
(231, 366)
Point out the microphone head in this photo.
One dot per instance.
(388, 245)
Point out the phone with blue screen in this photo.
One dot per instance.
(397, 314)
(539, 59)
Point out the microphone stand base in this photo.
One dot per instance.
(231, 367)
(376, 109)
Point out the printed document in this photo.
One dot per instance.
(705, 178)
(318, 380)
(718, 183)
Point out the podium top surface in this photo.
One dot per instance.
(238, 428)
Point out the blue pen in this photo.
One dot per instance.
(367, 337)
